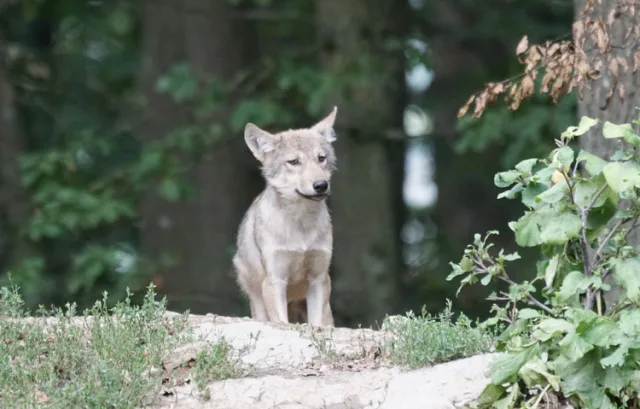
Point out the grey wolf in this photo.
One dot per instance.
(285, 240)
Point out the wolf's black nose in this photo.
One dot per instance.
(320, 186)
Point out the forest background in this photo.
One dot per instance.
(122, 160)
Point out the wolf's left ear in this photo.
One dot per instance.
(325, 127)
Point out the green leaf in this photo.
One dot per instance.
(611, 130)
(512, 257)
(554, 326)
(527, 230)
(561, 228)
(601, 331)
(170, 190)
(466, 264)
(489, 395)
(550, 271)
(506, 366)
(509, 401)
(616, 358)
(581, 378)
(535, 373)
(526, 165)
(593, 164)
(627, 273)
(486, 280)
(528, 313)
(511, 193)
(505, 179)
(585, 124)
(552, 195)
(531, 192)
(548, 226)
(584, 191)
(571, 285)
(565, 155)
(630, 322)
(621, 176)
(616, 378)
(573, 346)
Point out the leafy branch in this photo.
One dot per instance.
(557, 350)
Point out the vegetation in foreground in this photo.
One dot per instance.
(573, 331)
(427, 340)
(113, 357)
(104, 358)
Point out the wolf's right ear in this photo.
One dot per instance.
(259, 141)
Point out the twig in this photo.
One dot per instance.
(607, 238)
(530, 298)
(597, 195)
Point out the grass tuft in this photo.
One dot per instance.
(105, 358)
(425, 340)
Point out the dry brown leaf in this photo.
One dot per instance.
(481, 103)
(554, 48)
(636, 61)
(602, 37)
(621, 93)
(613, 66)
(623, 63)
(607, 99)
(614, 14)
(463, 110)
(627, 34)
(42, 397)
(527, 86)
(523, 45)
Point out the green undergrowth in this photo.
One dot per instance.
(101, 358)
(427, 340)
(572, 331)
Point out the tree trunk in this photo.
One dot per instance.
(593, 103)
(14, 210)
(200, 232)
(366, 200)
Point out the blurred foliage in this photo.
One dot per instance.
(75, 68)
(523, 132)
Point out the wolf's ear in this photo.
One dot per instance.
(259, 141)
(325, 127)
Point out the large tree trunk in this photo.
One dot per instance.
(366, 201)
(14, 210)
(200, 232)
(594, 102)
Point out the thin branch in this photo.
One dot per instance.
(608, 237)
(530, 298)
(597, 195)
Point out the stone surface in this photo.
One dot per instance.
(290, 367)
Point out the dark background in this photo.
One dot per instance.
(122, 160)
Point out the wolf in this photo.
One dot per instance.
(285, 240)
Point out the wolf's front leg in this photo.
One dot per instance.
(274, 287)
(319, 288)
(317, 299)
(274, 291)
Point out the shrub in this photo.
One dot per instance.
(427, 340)
(563, 343)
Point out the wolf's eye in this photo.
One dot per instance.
(321, 158)
(294, 162)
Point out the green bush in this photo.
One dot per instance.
(563, 343)
(425, 340)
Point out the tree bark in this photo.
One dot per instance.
(14, 209)
(593, 103)
(366, 201)
(200, 232)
